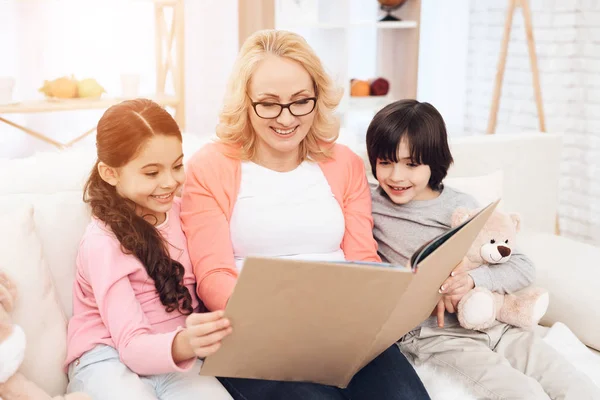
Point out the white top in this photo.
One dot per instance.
(286, 214)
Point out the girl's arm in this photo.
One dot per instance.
(358, 243)
(144, 351)
(207, 230)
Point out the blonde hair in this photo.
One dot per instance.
(234, 126)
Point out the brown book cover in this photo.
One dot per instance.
(322, 321)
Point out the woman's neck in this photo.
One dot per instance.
(277, 161)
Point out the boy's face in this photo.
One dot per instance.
(405, 180)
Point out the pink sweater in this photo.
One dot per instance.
(115, 302)
(209, 196)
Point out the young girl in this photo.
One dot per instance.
(409, 155)
(134, 286)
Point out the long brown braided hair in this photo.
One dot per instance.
(121, 132)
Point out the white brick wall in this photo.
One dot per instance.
(567, 35)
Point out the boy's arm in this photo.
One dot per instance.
(509, 277)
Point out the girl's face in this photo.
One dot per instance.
(405, 180)
(280, 80)
(152, 178)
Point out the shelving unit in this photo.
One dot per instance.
(357, 24)
(352, 43)
(169, 45)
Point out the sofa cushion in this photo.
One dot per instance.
(485, 189)
(569, 270)
(38, 310)
(60, 220)
(63, 170)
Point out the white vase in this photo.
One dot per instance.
(7, 85)
(130, 85)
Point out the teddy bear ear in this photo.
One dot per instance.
(8, 292)
(6, 299)
(460, 215)
(516, 219)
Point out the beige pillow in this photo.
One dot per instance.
(569, 270)
(38, 310)
(60, 221)
(484, 188)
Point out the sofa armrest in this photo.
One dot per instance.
(570, 270)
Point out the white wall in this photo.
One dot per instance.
(567, 34)
(211, 47)
(44, 40)
(443, 49)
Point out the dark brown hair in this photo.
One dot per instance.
(122, 131)
(424, 129)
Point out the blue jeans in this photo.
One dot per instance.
(388, 377)
(101, 374)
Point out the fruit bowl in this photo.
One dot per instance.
(68, 89)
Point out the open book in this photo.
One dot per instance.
(321, 321)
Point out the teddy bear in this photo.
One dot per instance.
(13, 385)
(480, 308)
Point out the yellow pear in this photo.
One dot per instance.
(64, 88)
(89, 88)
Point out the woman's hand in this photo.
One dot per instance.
(456, 286)
(205, 332)
(453, 290)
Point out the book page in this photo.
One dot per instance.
(305, 321)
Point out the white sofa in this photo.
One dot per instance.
(42, 218)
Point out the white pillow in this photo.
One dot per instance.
(47, 172)
(37, 309)
(60, 220)
(484, 188)
(568, 269)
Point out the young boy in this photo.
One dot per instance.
(409, 155)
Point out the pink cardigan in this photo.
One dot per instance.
(210, 193)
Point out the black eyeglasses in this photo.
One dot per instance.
(298, 108)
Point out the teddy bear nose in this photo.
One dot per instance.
(504, 251)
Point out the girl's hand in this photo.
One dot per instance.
(205, 332)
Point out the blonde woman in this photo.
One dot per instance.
(277, 185)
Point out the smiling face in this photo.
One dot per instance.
(405, 180)
(280, 80)
(152, 178)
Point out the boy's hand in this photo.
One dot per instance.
(439, 311)
(205, 332)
